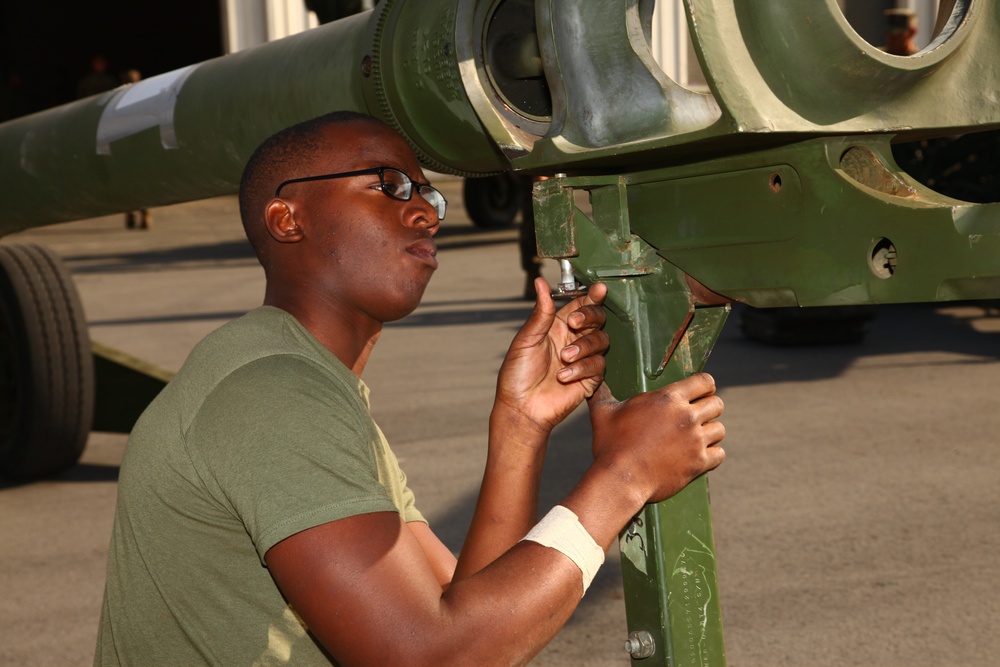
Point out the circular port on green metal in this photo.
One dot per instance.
(775, 182)
(883, 259)
(513, 60)
(904, 31)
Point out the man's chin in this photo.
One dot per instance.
(403, 307)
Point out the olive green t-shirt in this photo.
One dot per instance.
(262, 434)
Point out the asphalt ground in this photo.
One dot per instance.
(856, 516)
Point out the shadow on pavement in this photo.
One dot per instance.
(898, 330)
(158, 259)
(90, 472)
(167, 319)
(81, 472)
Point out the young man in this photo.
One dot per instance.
(262, 518)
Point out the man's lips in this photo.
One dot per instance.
(425, 250)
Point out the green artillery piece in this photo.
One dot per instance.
(776, 188)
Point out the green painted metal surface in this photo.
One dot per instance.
(663, 328)
(775, 187)
(804, 225)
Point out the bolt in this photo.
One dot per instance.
(640, 644)
(568, 287)
(567, 278)
(567, 282)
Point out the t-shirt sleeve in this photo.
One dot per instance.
(285, 449)
(409, 510)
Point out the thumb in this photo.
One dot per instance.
(540, 320)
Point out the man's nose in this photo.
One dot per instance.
(422, 214)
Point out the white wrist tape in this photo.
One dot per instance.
(561, 530)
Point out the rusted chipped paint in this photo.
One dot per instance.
(867, 168)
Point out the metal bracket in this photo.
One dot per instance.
(661, 332)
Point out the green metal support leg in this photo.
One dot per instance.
(661, 331)
(668, 552)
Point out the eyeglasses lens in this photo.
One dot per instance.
(434, 198)
(398, 185)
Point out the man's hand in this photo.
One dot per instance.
(660, 440)
(556, 359)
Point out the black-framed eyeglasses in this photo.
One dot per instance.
(394, 183)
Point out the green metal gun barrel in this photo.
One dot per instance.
(187, 134)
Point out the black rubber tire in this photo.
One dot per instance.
(492, 202)
(46, 365)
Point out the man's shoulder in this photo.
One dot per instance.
(263, 332)
(264, 350)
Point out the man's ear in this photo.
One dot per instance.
(279, 216)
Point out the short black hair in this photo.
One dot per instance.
(283, 155)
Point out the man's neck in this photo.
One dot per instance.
(349, 339)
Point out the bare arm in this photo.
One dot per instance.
(379, 603)
(553, 364)
(439, 557)
(368, 590)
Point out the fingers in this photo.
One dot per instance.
(693, 387)
(704, 405)
(585, 311)
(584, 355)
(714, 456)
(711, 434)
(586, 317)
(581, 314)
(597, 293)
(586, 368)
(714, 432)
(708, 408)
(594, 343)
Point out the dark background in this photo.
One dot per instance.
(46, 47)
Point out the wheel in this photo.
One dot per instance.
(492, 201)
(807, 326)
(46, 366)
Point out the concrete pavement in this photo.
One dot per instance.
(855, 517)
